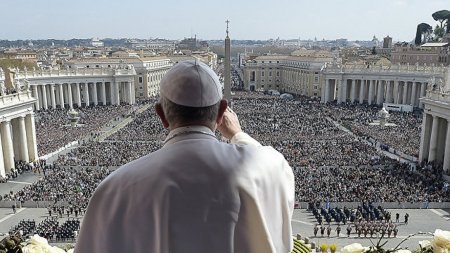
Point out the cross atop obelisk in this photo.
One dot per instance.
(227, 21)
(227, 68)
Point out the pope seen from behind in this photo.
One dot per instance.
(196, 194)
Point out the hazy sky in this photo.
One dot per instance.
(250, 19)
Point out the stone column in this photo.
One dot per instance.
(361, 91)
(94, 93)
(396, 92)
(340, 93)
(78, 94)
(327, 90)
(36, 96)
(380, 92)
(371, 90)
(423, 88)
(322, 92)
(130, 93)
(388, 92)
(353, 91)
(133, 93)
(69, 95)
(447, 148)
(23, 140)
(344, 90)
(2, 161)
(61, 95)
(8, 150)
(103, 93)
(413, 94)
(405, 93)
(433, 139)
(117, 92)
(44, 97)
(425, 137)
(112, 87)
(31, 137)
(86, 94)
(52, 95)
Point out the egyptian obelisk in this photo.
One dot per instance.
(227, 68)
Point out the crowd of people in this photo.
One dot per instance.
(403, 136)
(63, 186)
(53, 129)
(364, 221)
(49, 228)
(108, 153)
(329, 164)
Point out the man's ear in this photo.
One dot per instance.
(223, 106)
(162, 116)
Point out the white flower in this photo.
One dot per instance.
(403, 251)
(353, 248)
(437, 249)
(31, 248)
(425, 244)
(441, 238)
(37, 240)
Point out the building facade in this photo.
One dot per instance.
(17, 128)
(149, 71)
(427, 54)
(395, 84)
(292, 74)
(435, 137)
(71, 88)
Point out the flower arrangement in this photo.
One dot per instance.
(333, 248)
(323, 248)
(37, 244)
(439, 244)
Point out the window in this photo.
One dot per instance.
(316, 79)
(262, 73)
(140, 79)
(278, 73)
(270, 73)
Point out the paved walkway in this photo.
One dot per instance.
(425, 220)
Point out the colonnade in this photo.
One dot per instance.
(18, 141)
(435, 140)
(373, 91)
(80, 94)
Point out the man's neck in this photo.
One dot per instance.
(192, 124)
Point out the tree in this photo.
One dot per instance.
(422, 28)
(442, 17)
(438, 32)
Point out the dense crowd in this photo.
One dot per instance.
(404, 136)
(53, 129)
(329, 164)
(108, 153)
(62, 186)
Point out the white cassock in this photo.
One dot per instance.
(197, 195)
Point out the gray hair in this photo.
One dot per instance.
(181, 114)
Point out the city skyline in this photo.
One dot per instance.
(258, 20)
